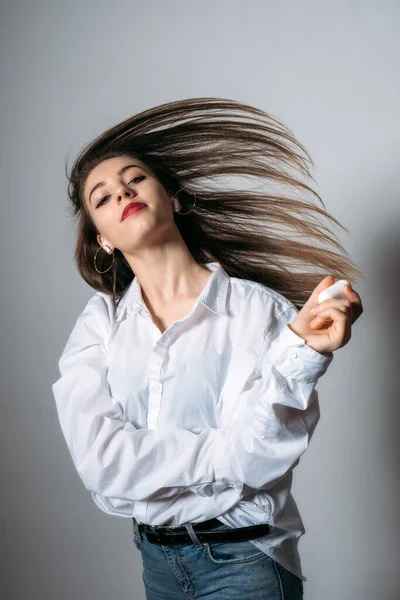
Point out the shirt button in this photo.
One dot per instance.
(154, 387)
(293, 354)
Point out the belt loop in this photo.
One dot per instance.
(193, 536)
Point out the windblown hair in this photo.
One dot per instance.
(188, 145)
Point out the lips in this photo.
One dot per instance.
(132, 207)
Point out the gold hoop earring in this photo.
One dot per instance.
(194, 204)
(108, 252)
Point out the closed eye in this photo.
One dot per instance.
(105, 198)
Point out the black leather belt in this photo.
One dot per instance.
(170, 536)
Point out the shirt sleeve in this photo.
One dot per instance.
(279, 411)
(115, 459)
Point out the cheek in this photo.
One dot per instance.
(156, 195)
(105, 221)
(97, 219)
(157, 190)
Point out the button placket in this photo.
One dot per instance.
(154, 404)
(155, 386)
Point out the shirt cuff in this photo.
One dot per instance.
(295, 358)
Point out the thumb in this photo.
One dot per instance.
(325, 283)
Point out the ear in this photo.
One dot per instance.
(102, 241)
(176, 205)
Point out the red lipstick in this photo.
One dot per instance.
(131, 208)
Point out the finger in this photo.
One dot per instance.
(342, 303)
(341, 322)
(319, 321)
(323, 285)
(336, 302)
(330, 314)
(352, 295)
(349, 291)
(355, 300)
(356, 304)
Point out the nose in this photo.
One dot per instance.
(126, 193)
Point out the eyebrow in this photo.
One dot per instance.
(119, 173)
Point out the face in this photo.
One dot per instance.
(115, 183)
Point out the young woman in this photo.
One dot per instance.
(188, 384)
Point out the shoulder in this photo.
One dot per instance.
(96, 317)
(101, 304)
(97, 306)
(259, 309)
(255, 296)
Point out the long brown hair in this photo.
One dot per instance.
(189, 144)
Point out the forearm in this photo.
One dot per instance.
(115, 459)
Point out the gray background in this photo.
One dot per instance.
(69, 70)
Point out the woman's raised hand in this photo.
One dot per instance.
(326, 326)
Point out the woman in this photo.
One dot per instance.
(187, 391)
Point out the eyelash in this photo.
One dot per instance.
(103, 199)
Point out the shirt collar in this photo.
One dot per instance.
(213, 296)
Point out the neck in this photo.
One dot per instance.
(168, 274)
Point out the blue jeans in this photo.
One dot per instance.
(213, 570)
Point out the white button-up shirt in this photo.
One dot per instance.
(207, 419)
